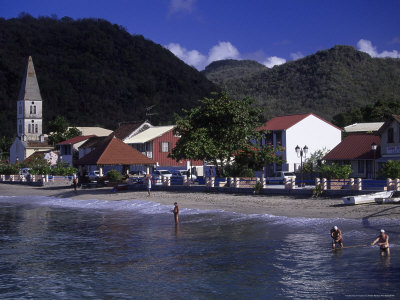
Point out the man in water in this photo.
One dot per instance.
(383, 242)
(176, 213)
(336, 235)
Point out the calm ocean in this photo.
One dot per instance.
(54, 248)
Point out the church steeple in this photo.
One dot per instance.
(29, 106)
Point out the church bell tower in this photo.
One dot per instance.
(29, 106)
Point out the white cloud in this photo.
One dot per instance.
(366, 46)
(181, 6)
(273, 61)
(296, 55)
(191, 57)
(223, 50)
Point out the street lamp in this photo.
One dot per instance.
(374, 146)
(300, 152)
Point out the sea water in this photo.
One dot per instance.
(54, 248)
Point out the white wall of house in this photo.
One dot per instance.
(17, 149)
(313, 132)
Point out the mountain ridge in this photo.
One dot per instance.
(326, 83)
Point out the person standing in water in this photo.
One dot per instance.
(383, 243)
(336, 235)
(176, 213)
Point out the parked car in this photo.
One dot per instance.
(137, 176)
(159, 175)
(25, 171)
(183, 174)
(279, 177)
(94, 175)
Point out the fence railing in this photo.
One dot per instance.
(237, 182)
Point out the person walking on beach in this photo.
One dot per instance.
(176, 213)
(336, 235)
(383, 243)
(148, 184)
(75, 183)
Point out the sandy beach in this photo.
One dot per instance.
(247, 204)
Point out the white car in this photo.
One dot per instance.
(279, 177)
(24, 171)
(183, 174)
(93, 175)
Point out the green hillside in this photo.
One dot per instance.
(326, 83)
(93, 73)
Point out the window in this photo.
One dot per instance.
(31, 109)
(29, 128)
(390, 135)
(278, 136)
(361, 167)
(36, 128)
(34, 109)
(164, 147)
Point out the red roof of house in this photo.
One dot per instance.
(126, 129)
(76, 139)
(285, 122)
(355, 146)
(113, 151)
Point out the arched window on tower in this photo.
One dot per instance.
(34, 109)
(29, 128)
(36, 128)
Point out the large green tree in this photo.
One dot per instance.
(60, 131)
(216, 130)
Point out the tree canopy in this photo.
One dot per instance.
(60, 130)
(217, 130)
(94, 73)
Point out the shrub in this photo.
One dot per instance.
(390, 169)
(335, 171)
(114, 175)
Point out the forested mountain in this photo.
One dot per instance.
(326, 83)
(93, 73)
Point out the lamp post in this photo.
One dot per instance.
(300, 153)
(374, 146)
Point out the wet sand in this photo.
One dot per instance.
(247, 204)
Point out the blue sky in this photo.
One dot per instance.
(270, 32)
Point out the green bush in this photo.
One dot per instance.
(390, 169)
(237, 170)
(335, 171)
(114, 175)
(8, 169)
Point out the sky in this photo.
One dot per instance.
(270, 32)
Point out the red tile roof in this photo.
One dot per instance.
(126, 129)
(355, 146)
(285, 122)
(76, 139)
(113, 151)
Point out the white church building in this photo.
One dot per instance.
(30, 138)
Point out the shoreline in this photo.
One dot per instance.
(287, 206)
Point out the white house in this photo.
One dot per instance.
(299, 130)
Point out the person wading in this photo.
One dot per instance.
(383, 243)
(336, 235)
(176, 213)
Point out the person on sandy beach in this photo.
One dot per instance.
(148, 184)
(336, 235)
(383, 243)
(176, 213)
(75, 183)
